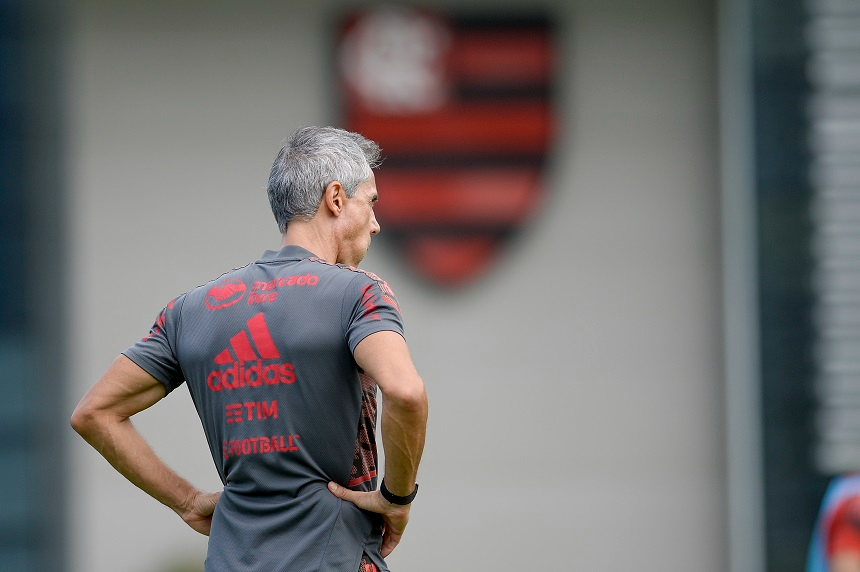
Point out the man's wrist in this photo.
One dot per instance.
(395, 499)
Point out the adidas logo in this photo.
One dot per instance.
(243, 360)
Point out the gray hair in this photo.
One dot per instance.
(312, 158)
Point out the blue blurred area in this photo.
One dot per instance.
(31, 496)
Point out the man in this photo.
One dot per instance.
(835, 545)
(282, 359)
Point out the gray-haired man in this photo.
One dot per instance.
(283, 358)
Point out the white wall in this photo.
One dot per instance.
(575, 390)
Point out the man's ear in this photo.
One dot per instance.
(334, 198)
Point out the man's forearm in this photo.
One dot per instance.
(103, 419)
(119, 442)
(404, 426)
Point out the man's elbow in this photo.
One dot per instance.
(80, 420)
(85, 419)
(410, 396)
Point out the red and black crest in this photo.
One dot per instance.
(461, 107)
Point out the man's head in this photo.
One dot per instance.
(322, 187)
(310, 160)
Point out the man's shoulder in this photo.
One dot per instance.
(261, 279)
(364, 275)
(222, 291)
(310, 274)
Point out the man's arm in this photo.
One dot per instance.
(103, 418)
(385, 357)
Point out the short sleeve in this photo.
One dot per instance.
(156, 352)
(370, 307)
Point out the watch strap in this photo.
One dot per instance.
(393, 498)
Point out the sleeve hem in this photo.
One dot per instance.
(148, 368)
(383, 328)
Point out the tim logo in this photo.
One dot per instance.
(242, 361)
(225, 293)
(462, 108)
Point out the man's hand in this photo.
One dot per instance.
(395, 517)
(198, 512)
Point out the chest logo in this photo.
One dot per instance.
(225, 293)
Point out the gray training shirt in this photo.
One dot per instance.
(266, 351)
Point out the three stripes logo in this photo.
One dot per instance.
(242, 360)
(462, 108)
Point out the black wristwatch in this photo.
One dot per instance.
(393, 498)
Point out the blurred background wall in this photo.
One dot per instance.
(584, 414)
(575, 388)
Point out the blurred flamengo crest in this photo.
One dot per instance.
(461, 107)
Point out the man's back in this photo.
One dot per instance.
(267, 354)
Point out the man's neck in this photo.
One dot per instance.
(309, 236)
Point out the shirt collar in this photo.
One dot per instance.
(289, 252)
